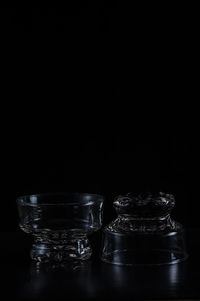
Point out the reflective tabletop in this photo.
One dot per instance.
(94, 279)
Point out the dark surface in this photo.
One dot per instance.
(94, 279)
(55, 60)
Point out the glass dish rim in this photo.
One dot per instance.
(175, 261)
(22, 200)
(135, 233)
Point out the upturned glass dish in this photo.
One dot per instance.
(143, 232)
(60, 224)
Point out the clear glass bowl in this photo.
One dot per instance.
(143, 232)
(60, 224)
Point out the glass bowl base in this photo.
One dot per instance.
(57, 251)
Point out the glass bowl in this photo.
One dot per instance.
(60, 224)
(143, 232)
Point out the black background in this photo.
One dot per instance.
(90, 96)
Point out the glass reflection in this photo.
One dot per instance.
(71, 278)
(160, 278)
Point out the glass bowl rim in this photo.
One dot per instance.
(25, 199)
(162, 234)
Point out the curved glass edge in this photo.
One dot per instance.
(176, 261)
(134, 233)
(88, 199)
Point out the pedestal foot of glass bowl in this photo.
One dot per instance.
(56, 251)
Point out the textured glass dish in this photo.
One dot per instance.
(60, 224)
(143, 232)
